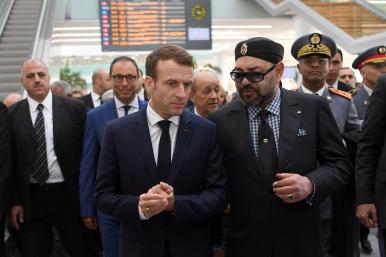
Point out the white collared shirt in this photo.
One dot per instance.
(134, 106)
(96, 99)
(55, 173)
(155, 131)
(335, 85)
(368, 90)
(320, 92)
(196, 111)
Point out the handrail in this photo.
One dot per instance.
(39, 27)
(372, 8)
(5, 17)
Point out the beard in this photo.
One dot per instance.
(258, 99)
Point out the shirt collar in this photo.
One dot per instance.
(368, 90)
(196, 112)
(133, 103)
(95, 96)
(47, 102)
(153, 117)
(335, 84)
(320, 92)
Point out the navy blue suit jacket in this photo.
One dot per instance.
(96, 122)
(127, 169)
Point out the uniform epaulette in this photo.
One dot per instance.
(344, 94)
(353, 91)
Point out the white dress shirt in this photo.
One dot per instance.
(319, 92)
(96, 99)
(155, 135)
(196, 112)
(55, 173)
(335, 85)
(134, 106)
(368, 90)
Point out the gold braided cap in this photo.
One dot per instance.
(314, 49)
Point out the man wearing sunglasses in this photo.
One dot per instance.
(371, 64)
(314, 52)
(273, 141)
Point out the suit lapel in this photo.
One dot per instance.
(57, 113)
(184, 135)
(112, 109)
(291, 112)
(25, 119)
(238, 121)
(145, 145)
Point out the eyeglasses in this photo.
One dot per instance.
(129, 78)
(253, 77)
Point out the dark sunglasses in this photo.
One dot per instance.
(253, 77)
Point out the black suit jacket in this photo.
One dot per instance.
(259, 221)
(68, 125)
(87, 99)
(5, 156)
(370, 173)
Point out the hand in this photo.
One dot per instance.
(90, 222)
(151, 204)
(17, 216)
(291, 187)
(218, 253)
(167, 191)
(367, 214)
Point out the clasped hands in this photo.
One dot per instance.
(158, 198)
(292, 187)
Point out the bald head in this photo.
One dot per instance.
(35, 79)
(12, 99)
(100, 81)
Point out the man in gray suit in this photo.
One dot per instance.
(371, 64)
(338, 211)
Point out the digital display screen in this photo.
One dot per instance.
(135, 25)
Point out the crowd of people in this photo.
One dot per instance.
(164, 164)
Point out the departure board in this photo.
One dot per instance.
(137, 25)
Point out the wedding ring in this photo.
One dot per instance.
(290, 197)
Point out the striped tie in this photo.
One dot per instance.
(40, 168)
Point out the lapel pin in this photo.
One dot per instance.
(365, 102)
(328, 98)
(265, 140)
(299, 112)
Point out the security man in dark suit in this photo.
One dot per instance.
(370, 172)
(371, 64)
(273, 140)
(313, 53)
(333, 73)
(100, 84)
(47, 138)
(5, 169)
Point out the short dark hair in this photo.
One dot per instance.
(122, 58)
(338, 51)
(169, 52)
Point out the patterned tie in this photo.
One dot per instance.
(40, 168)
(267, 146)
(126, 108)
(164, 150)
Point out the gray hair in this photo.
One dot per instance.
(62, 84)
(200, 70)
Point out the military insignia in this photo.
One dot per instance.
(315, 39)
(328, 98)
(244, 49)
(341, 93)
(382, 50)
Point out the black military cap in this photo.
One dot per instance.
(313, 44)
(260, 47)
(373, 55)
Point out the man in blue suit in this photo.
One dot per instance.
(160, 170)
(124, 75)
